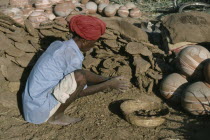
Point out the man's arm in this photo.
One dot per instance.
(93, 78)
(114, 83)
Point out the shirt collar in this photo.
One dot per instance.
(75, 47)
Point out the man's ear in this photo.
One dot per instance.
(84, 42)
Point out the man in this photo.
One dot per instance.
(57, 79)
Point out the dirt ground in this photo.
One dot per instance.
(103, 120)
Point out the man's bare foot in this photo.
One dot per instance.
(63, 120)
(119, 83)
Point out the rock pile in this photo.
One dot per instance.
(123, 50)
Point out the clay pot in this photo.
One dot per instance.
(195, 99)
(64, 9)
(130, 5)
(110, 11)
(189, 61)
(91, 7)
(101, 1)
(36, 17)
(172, 87)
(135, 13)
(101, 7)
(43, 4)
(84, 1)
(123, 11)
(206, 71)
(56, 1)
(18, 3)
(50, 14)
(117, 6)
(80, 9)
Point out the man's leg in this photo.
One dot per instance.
(82, 77)
(59, 117)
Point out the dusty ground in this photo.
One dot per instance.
(102, 120)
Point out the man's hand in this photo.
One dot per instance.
(119, 83)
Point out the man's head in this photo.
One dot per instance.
(87, 30)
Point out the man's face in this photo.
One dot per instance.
(87, 45)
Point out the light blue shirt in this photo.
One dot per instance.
(60, 59)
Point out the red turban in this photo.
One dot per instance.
(87, 27)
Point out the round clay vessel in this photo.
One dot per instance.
(135, 13)
(56, 1)
(43, 4)
(189, 61)
(123, 11)
(80, 9)
(91, 7)
(172, 87)
(18, 3)
(130, 5)
(195, 99)
(64, 9)
(101, 7)
(84, 1)
(101, 1)
(110, 11)
(206, 71)
(117, 6)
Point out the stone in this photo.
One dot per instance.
(5, 43)
(124, 71)
(8, 99)
(26, 60)
(110, 63)
(11, 58)
(12, 72)
(137, 48)
(14, 86)
(29, 27)
(13, 51)
(16, 38)
(109, 35)
(89, 62)
(111, 43)
(26, 47)
(127, 30)
(47, 33)
(2, 29)
(141, 65)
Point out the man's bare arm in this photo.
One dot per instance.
(114, 83)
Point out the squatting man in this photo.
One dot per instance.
(57, 78)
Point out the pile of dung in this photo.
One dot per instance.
(123, 50)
